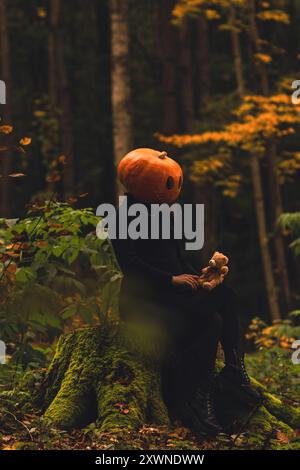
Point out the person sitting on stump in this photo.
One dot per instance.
(197, 310)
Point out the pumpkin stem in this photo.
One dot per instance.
(162, 155)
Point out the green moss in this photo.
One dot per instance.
(283, 411)
(111, 376)
(95, 372)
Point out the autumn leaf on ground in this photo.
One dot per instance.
(282, 437)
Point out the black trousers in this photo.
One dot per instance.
(192, 361)
(196, 322)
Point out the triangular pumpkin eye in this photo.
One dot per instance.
(170, 182)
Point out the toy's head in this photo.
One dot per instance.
(218, 260)
(151, 176)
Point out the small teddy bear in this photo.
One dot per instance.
(214, 273)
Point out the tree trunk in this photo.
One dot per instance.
(254, 34)
(121, 91)
(167, 46)
(257, 187)
(238, 63)
(274, 187)
(186, 79)
(6, 114)
(52, 58)
(276, 212)
(52, 75)
(203, 86)
(96, 376)
(66, 119)
(59, 94)
(263, 238)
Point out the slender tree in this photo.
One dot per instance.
(203, 76)
(275, 196)
(186, 78)
(257, 183)
(120, 81)
(59, 93)
(6, 109)
(167, 45)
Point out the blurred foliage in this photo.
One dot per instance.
(53, 269)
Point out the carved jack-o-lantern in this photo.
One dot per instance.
(151, 176)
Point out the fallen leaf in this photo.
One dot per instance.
(282, 437)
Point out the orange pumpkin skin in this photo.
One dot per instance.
(151, 176)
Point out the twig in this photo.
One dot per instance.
(20, 422)
(247, 421)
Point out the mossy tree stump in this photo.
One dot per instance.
(96, 376)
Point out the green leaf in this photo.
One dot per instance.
(25, 275)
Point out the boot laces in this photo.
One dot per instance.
(244, 372)
(210, 403)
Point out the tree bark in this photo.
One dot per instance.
(203, 87)
(263, 239)
(120, 80)
(276, 211)
(274, 186)
(6, 157)
(257, 187)
(186, 79)
(167, 46)
(237, 54)
(96, 376)
(59, 95)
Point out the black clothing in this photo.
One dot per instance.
(195, 320)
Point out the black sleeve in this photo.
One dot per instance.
(185, 263)
(130, 262)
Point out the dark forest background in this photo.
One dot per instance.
(90, 80)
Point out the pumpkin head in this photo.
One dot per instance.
(151, 176)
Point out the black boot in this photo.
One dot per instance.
(234, 376)
(198, 413)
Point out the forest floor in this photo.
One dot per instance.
(21, 427)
